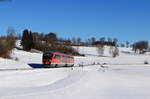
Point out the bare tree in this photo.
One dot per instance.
(102, 39)
(73, 40)
(10, 39)
(109, 39)
(11, 31)
(140, 46)
(100, 49)
(7, 43)
(127, 44)
(93, 39)
(51, 38)
(88, 41)
(114, 51)
(115, 40)
(110, 50)
(78, 40)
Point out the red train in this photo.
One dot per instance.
(55, 59)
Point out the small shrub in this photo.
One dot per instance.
(16, 59)
(146, 62)
(6, 46)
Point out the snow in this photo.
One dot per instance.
(124, 77)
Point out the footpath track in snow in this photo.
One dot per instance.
(24, 69)
(79, 66)
(16, 69)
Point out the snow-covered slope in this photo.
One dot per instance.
(20, 59)
(29, 60)
(92, 51)
(126, 56)
(93, 82)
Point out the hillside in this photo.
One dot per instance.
(22, 59)
(126, 56)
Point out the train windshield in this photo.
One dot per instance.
(47, 56)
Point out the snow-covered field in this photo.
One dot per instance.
(124, 77)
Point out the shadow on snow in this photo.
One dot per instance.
(34, 65)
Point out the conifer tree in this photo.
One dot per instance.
(27, 40)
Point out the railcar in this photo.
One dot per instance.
(55, 59)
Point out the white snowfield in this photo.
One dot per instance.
(124, 77)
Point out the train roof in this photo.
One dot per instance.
(57, 53)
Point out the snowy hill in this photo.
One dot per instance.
(126, 56)
(123, 77)
(28, 59)
(92, 51)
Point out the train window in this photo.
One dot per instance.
(68, 59)
(64, 59)
(71, 59)
(47, 56)
(57, 57)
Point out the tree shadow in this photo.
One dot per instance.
(18, 48)
(34, 65)
(126, 52)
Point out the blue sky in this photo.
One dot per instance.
(123, 19)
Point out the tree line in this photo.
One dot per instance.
(46, 42)
(43, 42)
(141, 47)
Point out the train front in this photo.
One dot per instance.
(47, 59)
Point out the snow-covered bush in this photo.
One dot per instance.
(114, 51)
(146, 62)
(100, 50)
